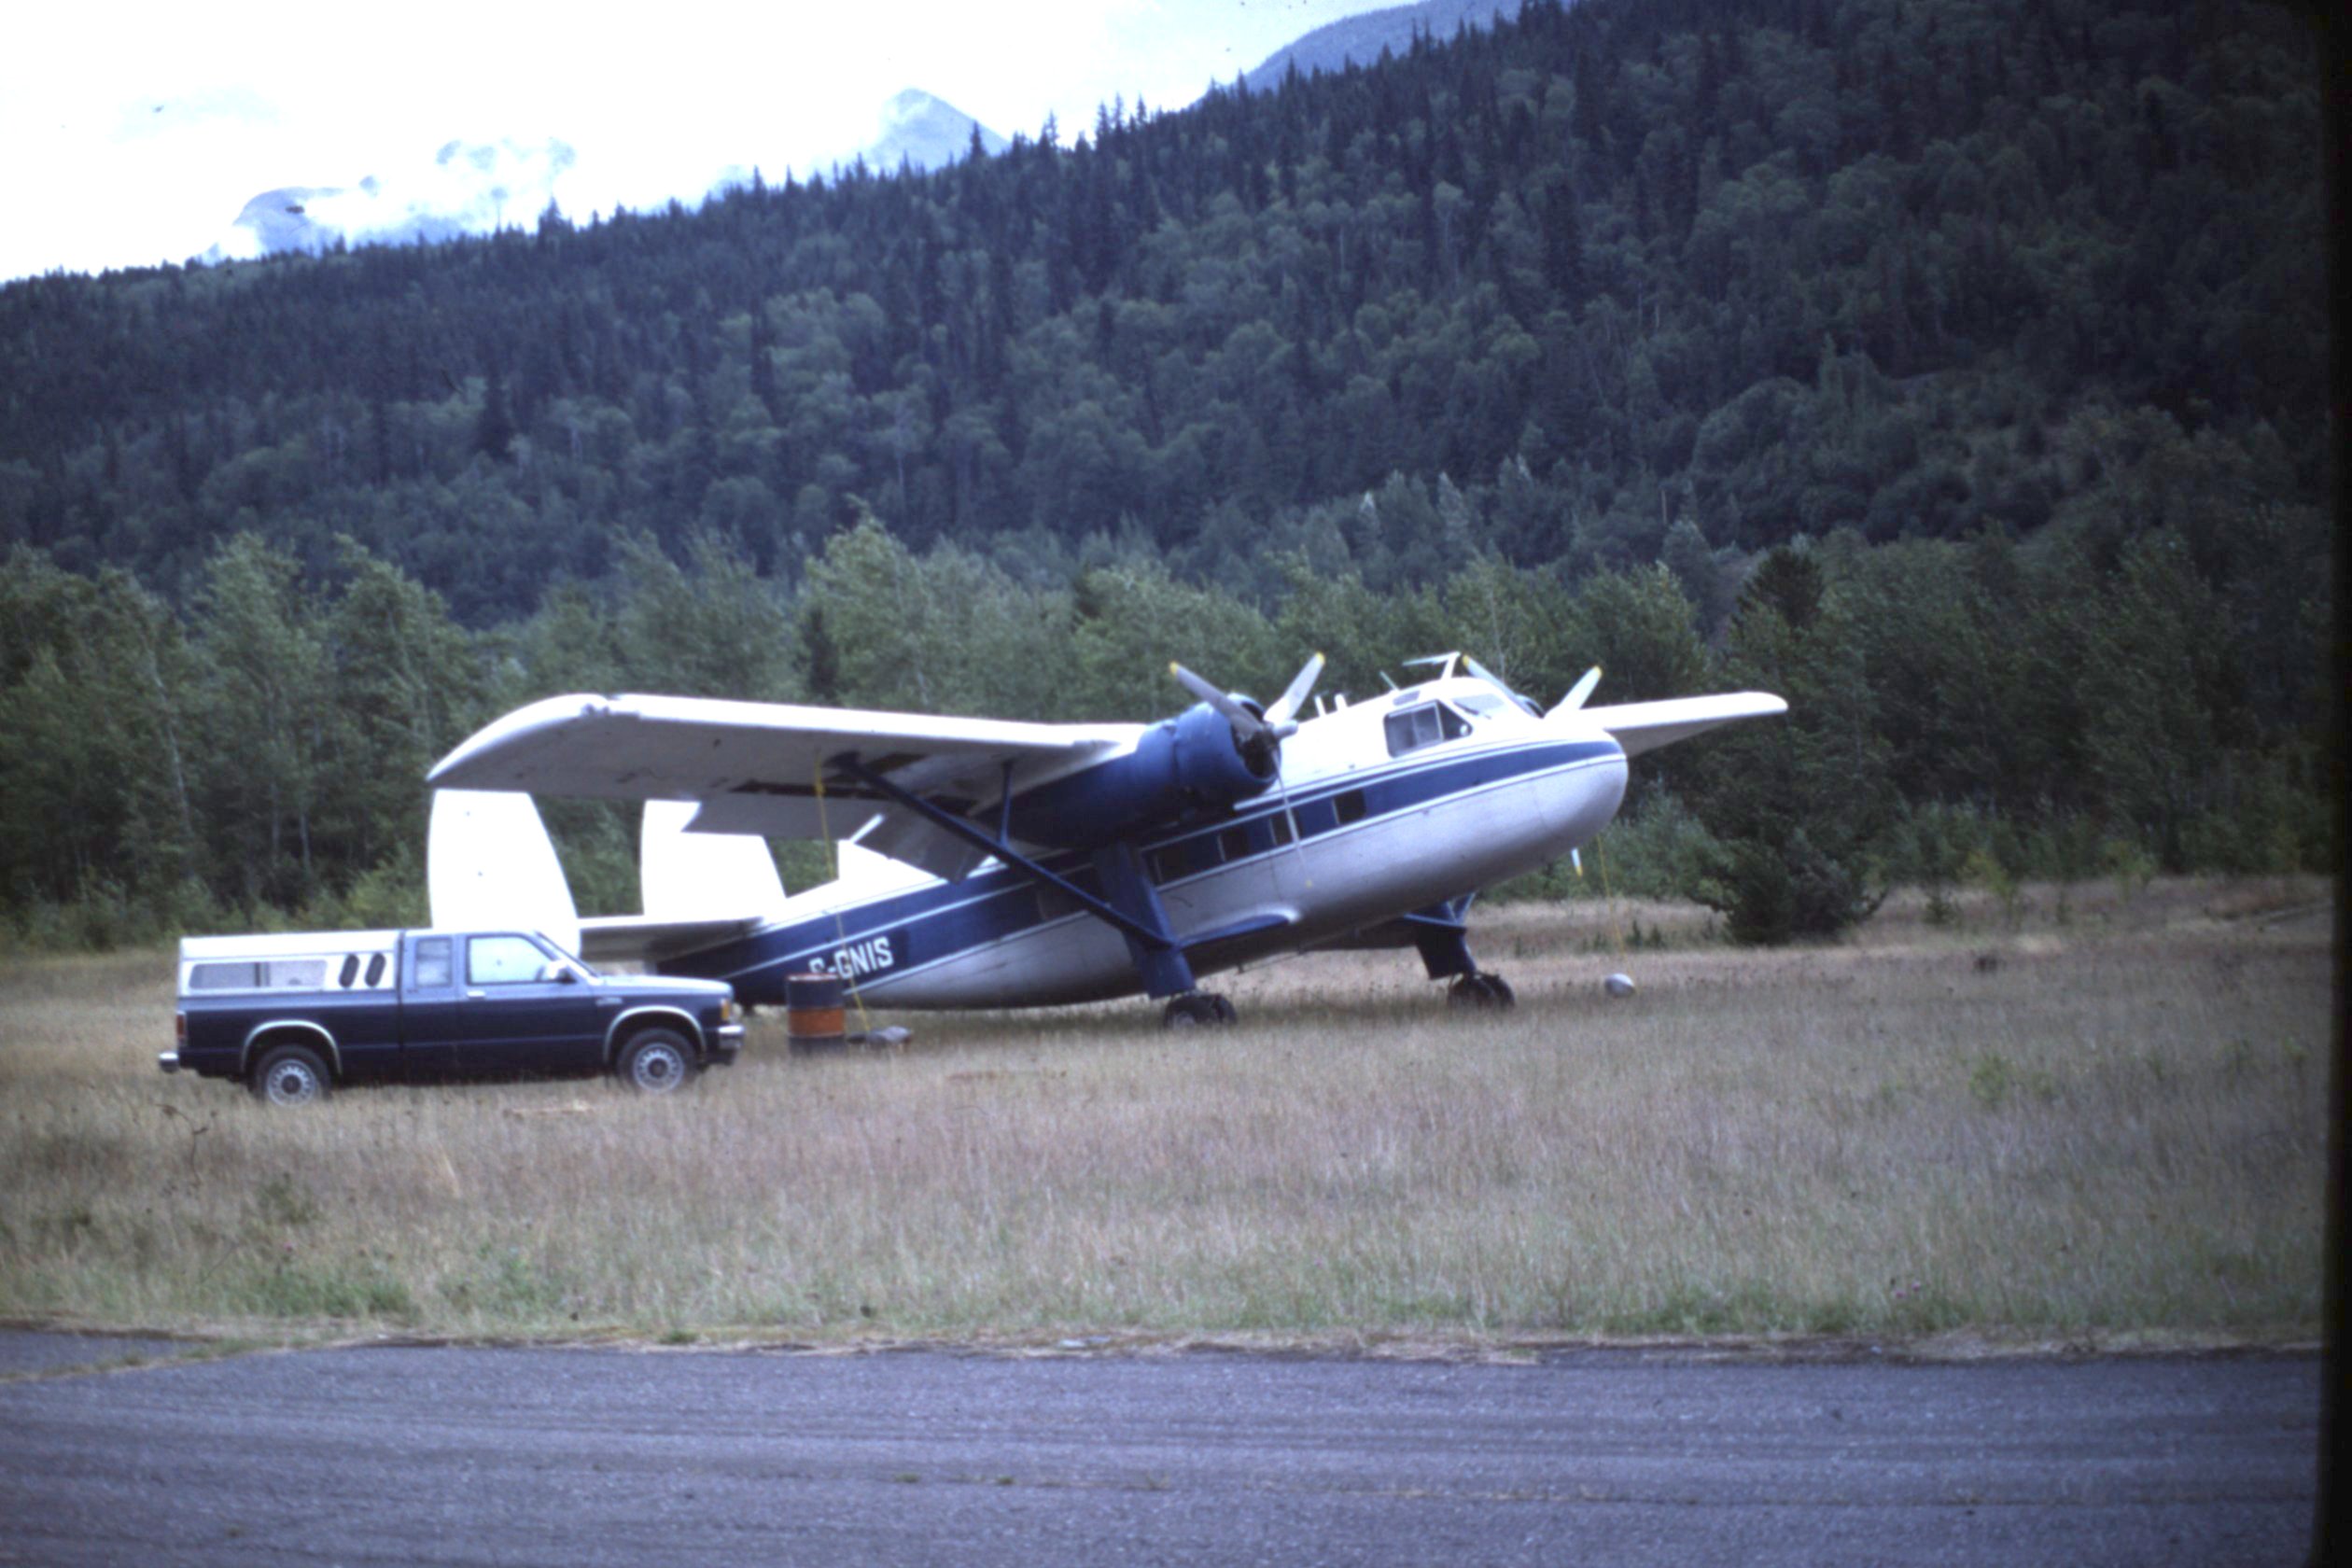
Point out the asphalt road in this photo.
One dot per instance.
(593, 1457)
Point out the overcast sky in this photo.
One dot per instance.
(134, 133)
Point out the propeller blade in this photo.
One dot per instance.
(1577, 693)
(1283, 715)
(1247, 726)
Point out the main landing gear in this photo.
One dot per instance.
(1482, 991)
(1196, 1010)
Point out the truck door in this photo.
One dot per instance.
(430, 1022)
(525, 1012)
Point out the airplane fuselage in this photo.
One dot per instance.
(1386, 806)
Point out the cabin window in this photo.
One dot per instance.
(432, 963)
(1350, 807)
(1280, 828)
(1234, 841)
(502, 960)
(1183, 858)
(1479, 705)
(375, 969)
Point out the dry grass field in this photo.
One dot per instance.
(2100, 1120)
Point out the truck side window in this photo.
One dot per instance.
(502, 960)
(375, 969)
(433, 964)
(350, 970)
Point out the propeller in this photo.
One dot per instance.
(1259, 733)
(1576, 693)
(1283, 714)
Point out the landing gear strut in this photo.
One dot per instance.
(1481, 990)
(1196, 1010)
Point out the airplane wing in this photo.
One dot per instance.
(1640, 727)
(763, 767)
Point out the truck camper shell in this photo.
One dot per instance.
(289, 961)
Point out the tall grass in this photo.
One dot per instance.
(2102, 1129)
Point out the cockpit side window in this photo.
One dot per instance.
(1410, 729)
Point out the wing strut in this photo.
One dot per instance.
(1159, 958)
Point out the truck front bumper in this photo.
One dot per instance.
(726, 1044)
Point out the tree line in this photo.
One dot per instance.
(259, 758)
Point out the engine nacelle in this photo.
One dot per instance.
(1182, 765)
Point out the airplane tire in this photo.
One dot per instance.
(1198, 1010)
(1482, 991)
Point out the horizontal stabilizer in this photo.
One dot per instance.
(646, 939)
(1640, 727)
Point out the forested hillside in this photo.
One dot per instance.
(1956, 366)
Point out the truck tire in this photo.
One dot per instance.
(655, 1061)
(290, 1075)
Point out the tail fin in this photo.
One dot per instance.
(699, 876)
(488, 862)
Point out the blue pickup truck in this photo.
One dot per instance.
(293, 1016)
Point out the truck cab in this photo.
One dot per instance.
(294, 1016)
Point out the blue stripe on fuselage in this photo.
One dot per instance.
(869, 944)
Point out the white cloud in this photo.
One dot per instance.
(138, 133)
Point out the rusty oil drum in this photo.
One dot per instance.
(814, 1019)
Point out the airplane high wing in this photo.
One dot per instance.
(1640, 727)
(774, 769)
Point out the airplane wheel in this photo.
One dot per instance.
(1482, 991)
(1200, 1010)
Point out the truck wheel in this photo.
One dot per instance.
(657, 1061)
(290, 1075)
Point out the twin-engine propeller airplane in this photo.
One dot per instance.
(1003, 864)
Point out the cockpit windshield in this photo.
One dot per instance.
(1478, 704)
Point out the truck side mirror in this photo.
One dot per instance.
(557, 970)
